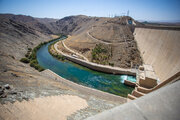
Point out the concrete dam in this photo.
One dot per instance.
(161, 49)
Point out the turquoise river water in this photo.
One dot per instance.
(84, 76)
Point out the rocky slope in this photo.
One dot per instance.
(17, 34)
(115, 33)
(19, 81)
(28, 21)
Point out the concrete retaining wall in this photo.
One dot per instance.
(97, 67)
(102, 68)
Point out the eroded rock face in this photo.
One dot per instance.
(25, 21)
(114, 33)
(18, 33)
(9, 93)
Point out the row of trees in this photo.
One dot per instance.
(30, 56)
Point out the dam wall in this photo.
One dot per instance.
(162, 104)
(161, 49)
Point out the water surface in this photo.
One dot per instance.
(84, 76)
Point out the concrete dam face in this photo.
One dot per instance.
(161, 49)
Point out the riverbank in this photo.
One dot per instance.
(94, 66)
(83, 89)
(31, 85)
(45, 84)
(82, 75)
(30, 56)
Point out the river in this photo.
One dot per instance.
(84, 76)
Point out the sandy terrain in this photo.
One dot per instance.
(161, 49)
(47, 108)
(27, 83)
(73, 51)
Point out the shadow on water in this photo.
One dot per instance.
(84, 76)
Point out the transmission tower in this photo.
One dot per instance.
(128, 13)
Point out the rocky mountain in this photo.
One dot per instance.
(46, 20)
(17, 34)
(25, 31)
(20, 82)
(114, 33)
(20, 32)
(28, 21)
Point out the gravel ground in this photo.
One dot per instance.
(31, 90)
(95, 106)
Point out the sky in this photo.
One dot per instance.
(150, 10)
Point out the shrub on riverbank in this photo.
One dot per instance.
(31, 55)
(34, 63)
(101, 54)
(25, 60)
(111, 64)
(59, 57)
(56, 55)
(29, 49)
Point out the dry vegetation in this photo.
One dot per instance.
(118, 35)
(101, 54)
(18, 33)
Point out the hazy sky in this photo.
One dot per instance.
(158, 10)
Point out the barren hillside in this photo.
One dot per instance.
(116, 33)
(17, 34)
(102, 40)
